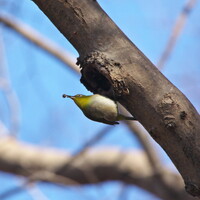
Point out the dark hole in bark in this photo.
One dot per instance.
(94, 80)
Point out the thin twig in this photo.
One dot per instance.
(96, 138)
(178, 27)
(3, 130)
(36, 193)
(54, 177)
(51, 176)
(9, 93)
(12, 191)
(143, 137)
(122, 193)
(80, 152)
(23, 187)
(35, 37)
(15, 190)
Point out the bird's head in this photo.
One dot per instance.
(81, 100)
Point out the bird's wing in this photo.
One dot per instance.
(107, 122)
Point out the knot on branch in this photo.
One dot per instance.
(167, 108)
(192, 189)
(103, 75)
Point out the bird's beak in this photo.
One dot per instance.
(68, 96)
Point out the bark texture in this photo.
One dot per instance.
(113, 66)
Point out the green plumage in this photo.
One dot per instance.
(99, 108)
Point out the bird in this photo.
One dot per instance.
(99, 108)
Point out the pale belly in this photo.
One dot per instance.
(102, 108)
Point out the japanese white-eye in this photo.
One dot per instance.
(99, 108)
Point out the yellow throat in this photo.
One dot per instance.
(98, 108)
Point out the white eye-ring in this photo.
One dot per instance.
(78, 95)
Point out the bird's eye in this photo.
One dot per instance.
(78, 95)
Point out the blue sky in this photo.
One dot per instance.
(39, 80)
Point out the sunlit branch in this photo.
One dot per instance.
(54, 166)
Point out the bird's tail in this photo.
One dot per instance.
(122, 117)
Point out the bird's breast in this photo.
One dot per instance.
(101, 108)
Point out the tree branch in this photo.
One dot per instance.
(9, 93)
(178, 27)
(31, 35)
(113, 66)
(143, 138)
(36, 38)
(130, 167)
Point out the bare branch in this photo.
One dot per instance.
(178, 27)
(136, 105)
(3, 130)
(22, 187)
(143, 137)
(8, 92)
(11, 192)
(36, 193)
(25, 160)
(98, 136)
(132, 80)
(35, 37)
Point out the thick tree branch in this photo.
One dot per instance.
(33, 36)
(112, 65)
(131, 167)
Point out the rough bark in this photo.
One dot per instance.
(94, 166)
(113, 66)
